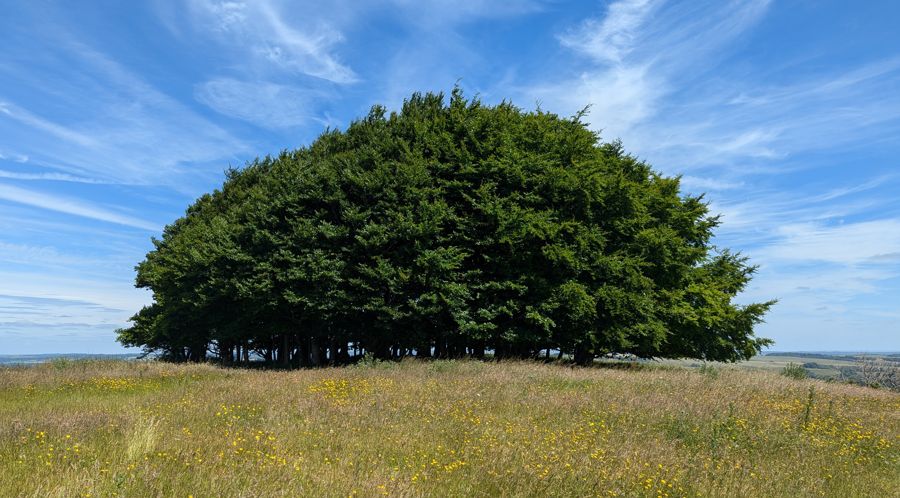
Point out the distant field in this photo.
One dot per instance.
(818, 367)
(32, 359)
(445, 428)
(843, 367)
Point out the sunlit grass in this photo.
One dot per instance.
(440, 429)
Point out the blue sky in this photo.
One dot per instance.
(114, 116)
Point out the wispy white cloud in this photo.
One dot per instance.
(820, 254)
(808, 289)
(649, 69)
(636, 56)
(270, 33)
(734, 126)
(756, 221)
(58, 131)
(42, 292)
(619, 98)
(866, 242)
(53, 313)
(444, 14)
(19, 158)
(264, 104)
(702, 184)
(614, 36)
(27, 253)
(116, 125)
(271, 45)
(48, 176)
(72, 207)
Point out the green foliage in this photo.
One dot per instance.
(61, 363)
(808, 407)
(794, 371)
(369, 361)
(710, 371)
(446, 229)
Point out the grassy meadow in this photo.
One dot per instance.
(443, 428)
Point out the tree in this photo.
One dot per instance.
(446, 229)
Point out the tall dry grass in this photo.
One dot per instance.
(454, 428)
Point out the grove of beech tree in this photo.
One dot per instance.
(447, 229)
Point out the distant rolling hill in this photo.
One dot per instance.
(28, 359)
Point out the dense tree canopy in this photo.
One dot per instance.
(446, 229)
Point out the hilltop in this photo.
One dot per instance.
(440, 428)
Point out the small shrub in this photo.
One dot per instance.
(369, 360)
(807, 409)
(442, 366)
(794, 371)
(61, 363)
(709, 370)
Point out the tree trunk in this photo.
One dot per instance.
(333, 352)
(284, 354)
(440, 347)
(303, 353)
(343, 355)
(583, 357)
(315, 352)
